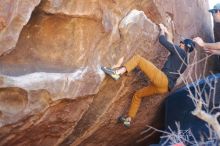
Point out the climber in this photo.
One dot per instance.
(212, 47)
(161, 81)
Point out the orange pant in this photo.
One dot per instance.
(159, 81)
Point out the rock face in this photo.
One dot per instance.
(52, 89)
(13, 16)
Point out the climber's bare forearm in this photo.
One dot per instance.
(212, 46)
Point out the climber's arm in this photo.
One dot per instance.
(164, 40)
(208, 47)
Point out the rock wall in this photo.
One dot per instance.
(13, 16)
(52, 89)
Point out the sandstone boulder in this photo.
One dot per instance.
(52, 89)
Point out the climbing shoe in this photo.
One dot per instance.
(125, 120)
(111, 72)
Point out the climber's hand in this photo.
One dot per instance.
(199, 41)
(163, 28)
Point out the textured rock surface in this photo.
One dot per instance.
(52, 89)
(13, 16)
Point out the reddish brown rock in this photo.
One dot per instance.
(52, 85)
(13, 16)
(47, 127)
(2, 23)
(13, 102)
